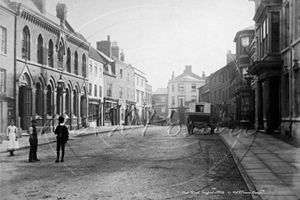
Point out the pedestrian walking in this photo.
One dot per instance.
(62, 137)
(33, 141)
(12, 137)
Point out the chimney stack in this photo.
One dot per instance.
(173, 75)
(115, 50)
(188, 69)
(105, 47)
(61, 12)
(122, 56)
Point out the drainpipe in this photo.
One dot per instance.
(15, 71)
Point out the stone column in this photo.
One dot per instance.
(269, 128)
(260, 119)
(33, 96)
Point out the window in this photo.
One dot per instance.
(50, 54)
(193, 98)
(137, 95)
(60, 56)
(84, 66)
(40, 50)
(3, 40)
(180, 100)
(180, 87)
(95, 90)
(163, 109)
(76, 63)
(173, 101)
(193, 87)
(100, 91)
(220, 94)
(142, 96)
(173, 88)
(2, 81)
(91, 67)
(26, 44)
(109, 87)
(142, 82)
(287, 25)
(128, 76)
(245, 41)
(120, 92)
(162, 99)
(90, 89)
(121, 73)
(100, 71)
(69, 60)
(96, 69)
(39, 100)
(137, 80)
(275, 31)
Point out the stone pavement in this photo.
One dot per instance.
(268, 165)
(51, 137)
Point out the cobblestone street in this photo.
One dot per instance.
(127, 165)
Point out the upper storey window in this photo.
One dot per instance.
(40, 50)
(26, 44)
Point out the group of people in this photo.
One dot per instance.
(61, 132)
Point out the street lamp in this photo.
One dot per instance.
(60, 88)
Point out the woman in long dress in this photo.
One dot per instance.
(12, 136)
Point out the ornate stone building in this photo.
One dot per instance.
(51, 67)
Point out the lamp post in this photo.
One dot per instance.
(60, 88)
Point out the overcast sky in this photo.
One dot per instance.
(162, 36)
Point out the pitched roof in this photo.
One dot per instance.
(93, 53)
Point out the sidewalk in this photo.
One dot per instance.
(268, 165)
(51, 137)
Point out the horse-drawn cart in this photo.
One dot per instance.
(199, 116)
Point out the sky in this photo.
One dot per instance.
(160, 37)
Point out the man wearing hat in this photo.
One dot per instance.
(62, 137)
(33, 140)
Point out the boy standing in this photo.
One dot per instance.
(62, 137)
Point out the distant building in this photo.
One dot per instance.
(95, 70)
(7, 68)
(160, 103)
(182, 89)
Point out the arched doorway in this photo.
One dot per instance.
(25, 102)
(83, 108)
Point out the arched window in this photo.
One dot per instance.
(67, 102)
(68, 60)
(60, 56)
(40, 50)
(76, 63)
(39, 100)
(50, 54)
(49, 100)
(26, 44)
(83, 66)
(75, 102)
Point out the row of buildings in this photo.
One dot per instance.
(259, 85)
(50, 70)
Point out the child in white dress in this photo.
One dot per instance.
(12, 136)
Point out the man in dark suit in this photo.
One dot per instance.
(33, 141)
(62, 137)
